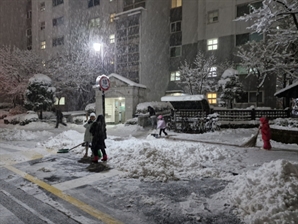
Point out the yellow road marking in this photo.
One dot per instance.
(81, 205)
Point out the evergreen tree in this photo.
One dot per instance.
(40, 95)
(230, 86)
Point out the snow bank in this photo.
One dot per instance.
(268, 194)
(68, 138)
(21, 135)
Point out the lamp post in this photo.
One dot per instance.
(99, 47)
(102, 80)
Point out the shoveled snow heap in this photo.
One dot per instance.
(268, 194)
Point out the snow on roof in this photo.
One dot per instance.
(127, 81)
(40, 78)
(286, 88)
(183, 98)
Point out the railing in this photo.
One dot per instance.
(248, 115)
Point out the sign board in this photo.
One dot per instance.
(104, 82)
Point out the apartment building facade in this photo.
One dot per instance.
(209, 26)
(144, 42)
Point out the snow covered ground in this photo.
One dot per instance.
(263, 184)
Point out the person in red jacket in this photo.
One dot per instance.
(266, 133)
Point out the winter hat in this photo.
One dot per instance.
(160, 117)
(92, 115)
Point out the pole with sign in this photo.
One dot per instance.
(104, 85)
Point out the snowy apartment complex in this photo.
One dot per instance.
(143, 42)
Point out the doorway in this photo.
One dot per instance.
(115, 110)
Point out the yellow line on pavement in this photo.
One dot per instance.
(81, 205)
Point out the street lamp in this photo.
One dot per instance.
(99, 47)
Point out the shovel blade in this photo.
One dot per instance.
(63, 151)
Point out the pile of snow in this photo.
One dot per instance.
(268, 194)
(64, 139)
(21, 135)
(157, 106)
(156, 159)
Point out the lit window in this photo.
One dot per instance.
(175, 76)
(57, 2)
(212, 72)
(112, 17)
(212, 44)
(94, 22)
(176, 27)
(176, 3)
(42, 6)
(42, 25)
(60, 101)
(92, 3)
(42, 45)
(213, 16)
(175, 51)
(212, 98)
(112, 38)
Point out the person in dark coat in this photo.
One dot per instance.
(59, 117)
(266, 133)
(152, 116)
(99, 133)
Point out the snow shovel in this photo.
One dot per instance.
(67, 150)
(252, 141)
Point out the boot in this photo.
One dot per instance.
(95, 159)
(104, 158)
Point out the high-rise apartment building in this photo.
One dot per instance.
(15, 24)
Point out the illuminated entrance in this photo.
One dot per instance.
(115, 110)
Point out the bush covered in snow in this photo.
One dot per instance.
(159, 107)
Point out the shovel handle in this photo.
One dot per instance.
(76, 146)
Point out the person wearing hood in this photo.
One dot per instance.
(266, 133)
(88, 136)
(99, 133)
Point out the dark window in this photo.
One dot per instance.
(246, 37)
(175, 51)
(253, 97)
(28, 33)
(176, 27)
(42, 25)
(42, 6)
(243, 98)
(58, 21)
(242, 39)
(133, 30)
(57, 2)
(247, 8)
(58, 41)
(131, 4)
(92, 3)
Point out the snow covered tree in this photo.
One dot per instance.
(40, 95)
(16, 67)
(196, 78)
(278, 20)
(230, 87)
(261, 60)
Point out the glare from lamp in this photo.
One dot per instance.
(97, 46)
